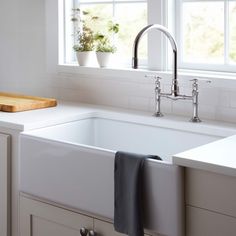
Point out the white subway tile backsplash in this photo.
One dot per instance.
(68, 94)
(209, 96)
(138, 94)
(165, 88)
(207, 112)
(146, 90)
(226, 114)
(122, 88)
(139, 103)
(224, 98)
(233, 99)
(166, 105)
(119, 101)
(182, 107)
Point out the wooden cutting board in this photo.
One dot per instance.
(16, 102)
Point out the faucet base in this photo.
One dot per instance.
(158, 114)
(195, 120)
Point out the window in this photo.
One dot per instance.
(205, 31)
(207, 34)
(130, 14)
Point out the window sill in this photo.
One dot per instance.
(119, 72)
(219, 79)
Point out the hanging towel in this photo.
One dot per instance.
(128, 192)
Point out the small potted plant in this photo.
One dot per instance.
(104, 47)
(84, 46)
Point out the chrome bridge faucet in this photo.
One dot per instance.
(174, 93)
(194, 97)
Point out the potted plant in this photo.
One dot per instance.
(84, 45)
(104, 47)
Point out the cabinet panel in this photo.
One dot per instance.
(5, 185)
(40, 219)
(106, 229)
(211, 191)
(201, 222)
(44, 227)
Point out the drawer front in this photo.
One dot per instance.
(206, 223)
(211, 191)
(106, 229)
(40, 219)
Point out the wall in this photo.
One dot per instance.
(22, 46)
(216, 101)
(27, 44)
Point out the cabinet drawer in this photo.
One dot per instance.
(106, 229)
(211, 191)
(206, 223)
(40, 219)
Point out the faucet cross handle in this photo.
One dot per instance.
(153, 76)
(156, 77)
(196, 80)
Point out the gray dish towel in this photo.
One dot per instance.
(128, 192)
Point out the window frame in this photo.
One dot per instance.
(155, 42)
(127, 61)
(226, 67)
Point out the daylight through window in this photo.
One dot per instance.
(208, 33)
(131, 15)
(205, 31)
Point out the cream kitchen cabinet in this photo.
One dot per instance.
(4, 184)
(106, 229)
(210, 203)
(42, 219)
(9, 194)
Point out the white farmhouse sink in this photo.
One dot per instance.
(113, 135)
(73, 163)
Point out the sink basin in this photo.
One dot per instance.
(73, 163)
(113, 135)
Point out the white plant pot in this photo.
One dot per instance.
(84, 58)
(103, 58)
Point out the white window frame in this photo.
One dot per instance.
(113, 3)
(156, 44)
(226, 67)
(54, 43)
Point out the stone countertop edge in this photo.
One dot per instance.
(218, 157)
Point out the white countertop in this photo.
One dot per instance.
(218, 157)
(27, 120)
(70, 111)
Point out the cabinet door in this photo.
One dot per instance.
(106, 229)
(201, 222)
(40, 219)
(4, 185)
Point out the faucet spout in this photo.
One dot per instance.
(174, 87)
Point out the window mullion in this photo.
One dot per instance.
(156, 43)
(68, 30)
(113, 8)
(226, 32)
(179, 29)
